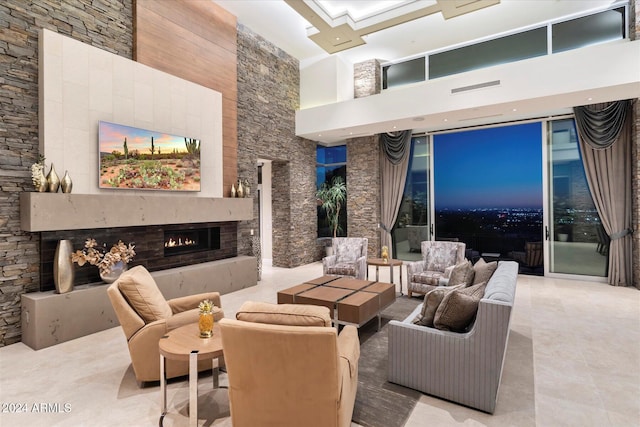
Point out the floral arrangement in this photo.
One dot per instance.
(99, 257)
(206, 306)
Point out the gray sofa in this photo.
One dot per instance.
(462, 367)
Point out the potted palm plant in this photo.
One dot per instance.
(332, 198)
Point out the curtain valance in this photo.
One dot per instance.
(600, 125)
(395, 145)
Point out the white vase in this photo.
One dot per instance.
(63, 268)
(116, 270)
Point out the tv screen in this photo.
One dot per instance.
(133, 158)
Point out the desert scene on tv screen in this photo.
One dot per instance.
(135, 158)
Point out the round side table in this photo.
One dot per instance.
(379, 262)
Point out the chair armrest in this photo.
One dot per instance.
(189, 302)
(448, 270)
(328, 261)
(182, 318)
(414, 267)
(349, 347)
(361, 268)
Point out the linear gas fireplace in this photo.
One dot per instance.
(184, 241)
(157, 247)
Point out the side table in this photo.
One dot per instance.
(184, 343)
(379, 262)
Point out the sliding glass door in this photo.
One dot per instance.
(576, 239)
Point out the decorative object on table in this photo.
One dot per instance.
(111, 263)
(53, 181)
(66, 184)
(205, 321)
(233, 190)
(240, 190)
(257, 252)
(332, 198)
(63, 271)
(37, 175)
(385, 254)
(247, 188)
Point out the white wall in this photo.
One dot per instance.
(326, 81)
(81, 85)
(266, 218)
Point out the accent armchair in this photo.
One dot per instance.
(531, 258)
(145, 316)
(438, 258)
(349, 257)
(288, 367)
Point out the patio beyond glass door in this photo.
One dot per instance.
(576, 238)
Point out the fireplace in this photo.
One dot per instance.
(157, 247)
(184, 241)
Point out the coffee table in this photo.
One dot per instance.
(379, 262)
(184, 343)
(350, 301)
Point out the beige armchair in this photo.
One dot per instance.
(288, 367)
(349, 257)
(437, 260)
(145, 316)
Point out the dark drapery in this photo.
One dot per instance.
(604, 132)
(394, 161)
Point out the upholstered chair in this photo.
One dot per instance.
(145, 316)
(531, 258)
(288, 367)
(438, 258)
(349, 257)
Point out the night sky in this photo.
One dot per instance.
(489, 168)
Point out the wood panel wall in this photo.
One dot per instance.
(196, 41)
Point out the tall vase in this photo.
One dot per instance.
(63, 271)
(116, 270)
(53, 181)
(240, 191)
(66, 184)
(43, 185)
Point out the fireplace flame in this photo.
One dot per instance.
(171, 243)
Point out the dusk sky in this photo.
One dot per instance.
(489, 168)
(112, 138)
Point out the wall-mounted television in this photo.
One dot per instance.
(133, 158)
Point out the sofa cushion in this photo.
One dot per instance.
(484, 270)
(462, 273)
(501, 286)
(440, 257)
(427, 278)
(142, 293)
(342, 269)
(284, 314)
(432, 300)
(458, 308)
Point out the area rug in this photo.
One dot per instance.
(380, 403)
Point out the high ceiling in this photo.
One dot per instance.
(432, 24)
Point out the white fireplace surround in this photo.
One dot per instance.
(81, 85)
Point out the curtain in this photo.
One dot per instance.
(604, 132)
(394, 161)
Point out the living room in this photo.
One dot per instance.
(257, 122)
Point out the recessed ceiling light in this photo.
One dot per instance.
(446, 120)
(337, 38)
(515, 109)
(589, 99)
(395, 127)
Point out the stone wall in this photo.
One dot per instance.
(106, 24)
(363, 190)
(268, 96)
(367, 78)
(634, 34)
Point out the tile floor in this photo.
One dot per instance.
(573, 360)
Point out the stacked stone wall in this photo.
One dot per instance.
(363, 190)
(635, 35)
(367, 78)
(268, 96)
(106, 24)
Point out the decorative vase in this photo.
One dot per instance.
(385, 254)
(42, 182)
(233, 190)
(205, 324)
(66, 184)
(53, 181)
(63, 271)
(116, 270)
(240, 190)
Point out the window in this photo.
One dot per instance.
(599, 28)
(331, 162)
(403, 73)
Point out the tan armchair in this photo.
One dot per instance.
(288, 367)
(145, 316)
(349, 257)
(438, 258)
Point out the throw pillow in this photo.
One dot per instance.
(476, 291)
(142, 293)
(462, 273)
(456, 311)
(439, 257)
(284, 314)
(432, 300)
(484, 270)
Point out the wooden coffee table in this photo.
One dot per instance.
(350, 301)
(184, 343)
